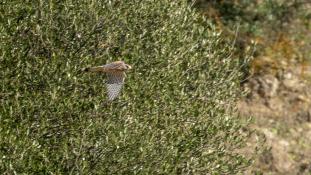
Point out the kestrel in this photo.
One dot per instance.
(115, 72)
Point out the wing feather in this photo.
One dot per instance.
(114, 84)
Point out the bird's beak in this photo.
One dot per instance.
(129, 67)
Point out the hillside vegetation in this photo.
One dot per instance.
(176, 114)
(277, 78)
(280, 29)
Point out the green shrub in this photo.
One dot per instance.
(177, 111)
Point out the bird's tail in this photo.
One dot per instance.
(87, 69)
(93, 69)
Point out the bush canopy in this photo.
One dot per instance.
(176, 114)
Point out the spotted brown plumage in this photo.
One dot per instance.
(115, 72)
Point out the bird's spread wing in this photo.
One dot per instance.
(114, 84)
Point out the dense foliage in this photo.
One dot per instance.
(280, 29)
(176, 114)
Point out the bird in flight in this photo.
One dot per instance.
(115, 72)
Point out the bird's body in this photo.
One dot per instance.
(115, 72)
(117, 66)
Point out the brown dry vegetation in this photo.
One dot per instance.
(277, 79)
(281, 108)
